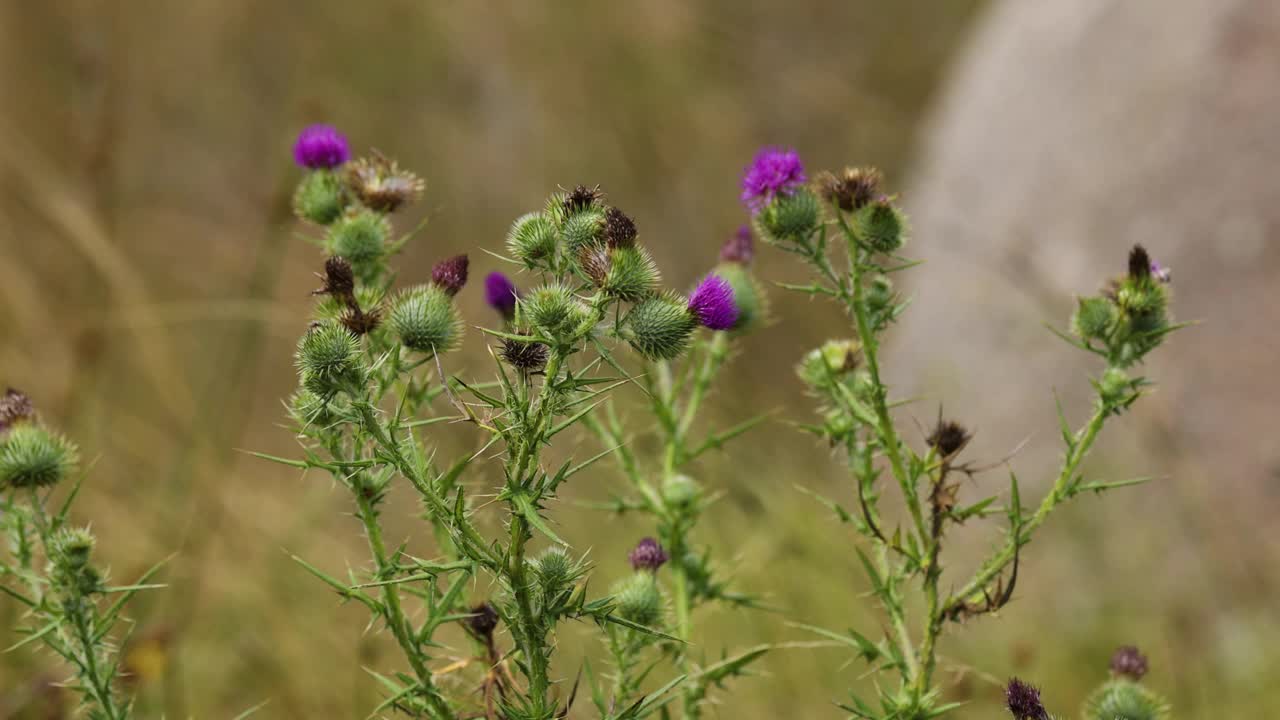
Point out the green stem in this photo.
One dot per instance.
(531, 637)
(395, 612)
(1084, 440)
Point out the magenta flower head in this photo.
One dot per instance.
(712, 303)
(647, 555)
(1023, 701)
(773, 172)
(501, 294)
(450, 274)
(740, 248)
(321, 147)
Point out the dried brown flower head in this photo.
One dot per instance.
(379, 184)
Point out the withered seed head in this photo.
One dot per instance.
(482, 621)
(15, 407)
(852, 189)
(379, 183)
(527, 357)
(339, 280)
(595, 262)
(1139, 263)
(619, 230)
(581, 198)
(361, 322)
(1129, 662)
(948, 438)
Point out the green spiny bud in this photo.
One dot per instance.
(556, 572)
(789, 218)
(532, 239)
(70, 548)
(681, 492)
(1092, 318)
(881, 301)
(424, 319)
(582, 229)
(32, 456)
(1121, 699)
(639, 599)
(361, 238)
(748, 295)
(319, 198)
(880, 226)
(553, 310)
(824, 366)
(329, 360)
(632, 274)
(659, 328)
(310, 410)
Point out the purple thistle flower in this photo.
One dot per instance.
(501, 294)
(1023, 701)
(740, 248)
(450, 274)
(773, 172)
(712, 303)
(1161, 273)
(1129, 662)
(321, 146)
(647, 555)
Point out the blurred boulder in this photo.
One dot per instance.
(1069, 132)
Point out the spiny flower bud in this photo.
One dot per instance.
(379, 184)
(532, 239)
(789, 218)
(425, 319)
(32, 456)
(482, 620)
(880, 226)
(948, 438)
(319, 198)
(647, 555)
(70, 548)
(748, 296)
(659, 328)
(556, 571)
(880, 299)
(1115, 386)
(582, 230)
(639, 600)
(1129, 662)
(773, 173)
(1125, 700)
(310, 410)
(619, 230)
(321, 147)
(1093, 318)
(1023, 701)
(450, 274)
(328, 359)
(361, 238)
(501, 294)
(581, 198)
(712, 303)
(739, 249)
(829, 363)
(632, 274)
(852, 189)
(15, 407)
(681, 492)
(553, 310)
(527, 357)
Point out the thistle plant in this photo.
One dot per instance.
(730, 302)
(1121, 697)
(850, 234)
(70, 607)
(372, 369)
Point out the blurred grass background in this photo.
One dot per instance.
(152, 286)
